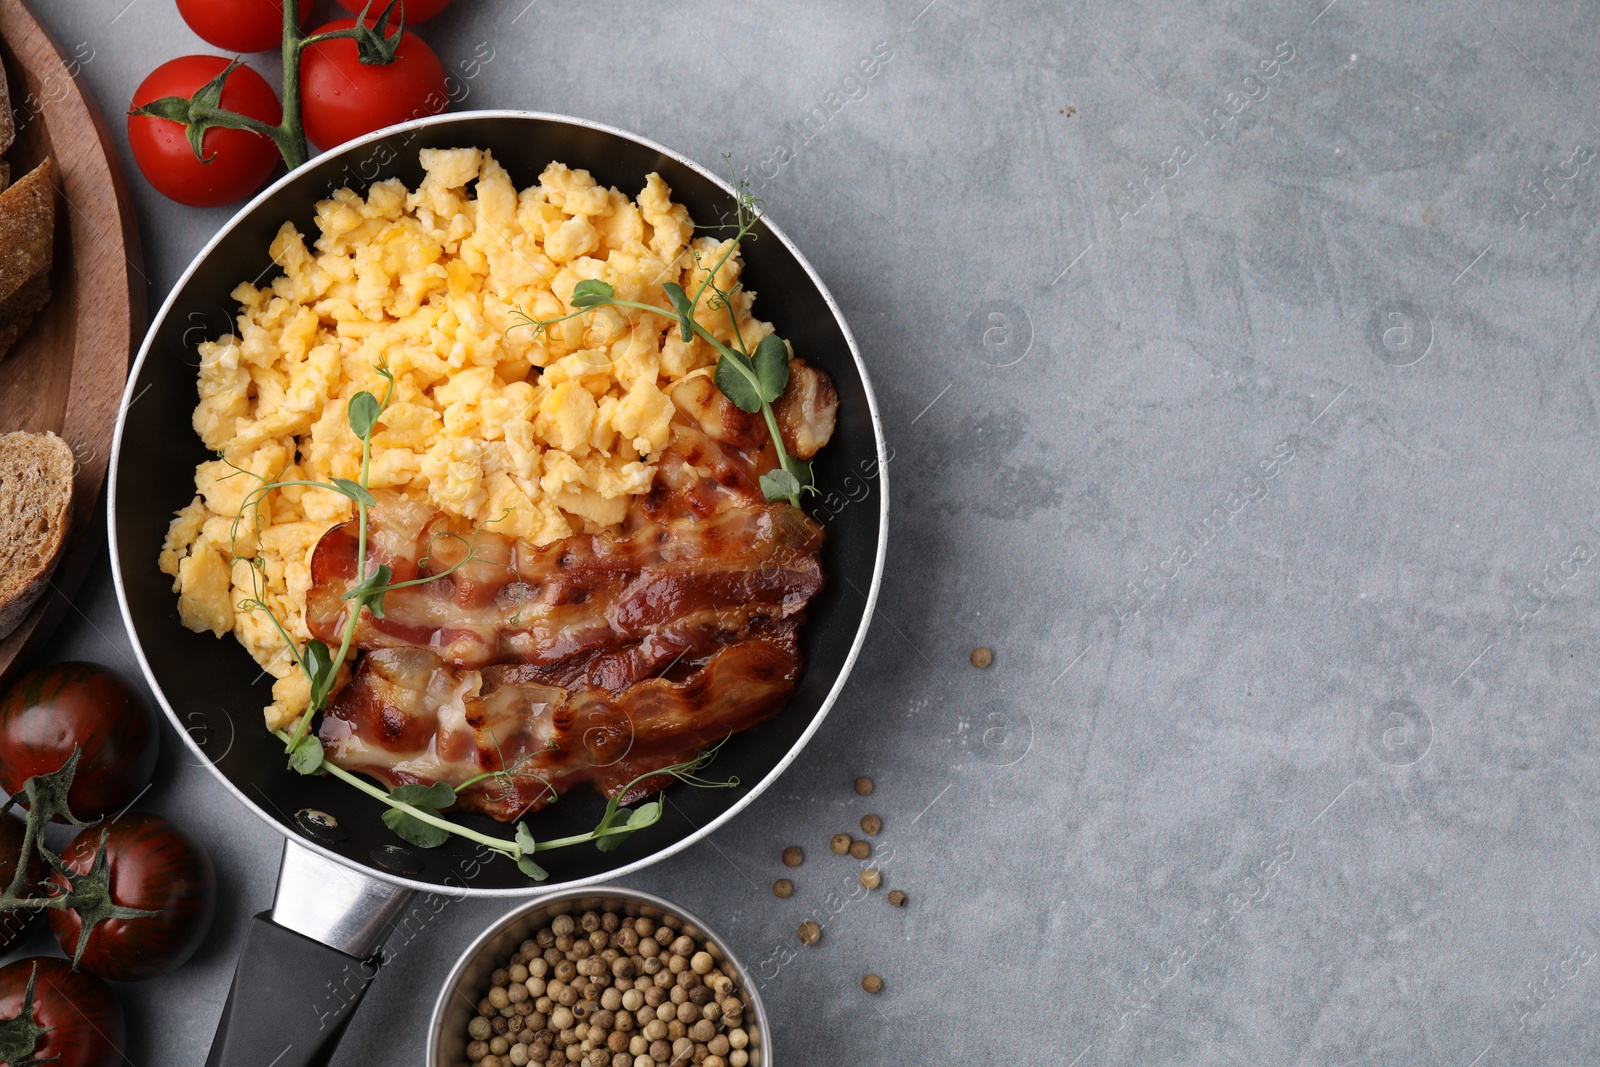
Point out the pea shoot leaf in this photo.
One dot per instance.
(645, 815)
(364, 410)
(779, 485)
(801, 471)
(413, 830)
(307, 755)
(683, 306)
(433, 797)
(355, 491)
(772, 367)
(591, 292)
(737, 380)
(606, 842)
(370, 591)
(428, 798)
(320, 671)
(525, 849)
(637, 819)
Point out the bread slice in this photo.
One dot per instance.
(8, 128)
(27, 250)
(35, 511)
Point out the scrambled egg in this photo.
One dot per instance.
(537, 435)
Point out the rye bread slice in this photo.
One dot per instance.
(35, 513)
(8, 128)
(27, 250)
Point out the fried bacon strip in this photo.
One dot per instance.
(408, 716)
(595, 659)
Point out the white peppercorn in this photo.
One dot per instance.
(606, 991)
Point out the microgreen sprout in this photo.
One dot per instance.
(415, 811)
(751, 380)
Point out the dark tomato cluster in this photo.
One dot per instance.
(120, 861)
(15, 922)
(72, 1020)
(52, 710)
(151, 865)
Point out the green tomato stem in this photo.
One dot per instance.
(292, 132)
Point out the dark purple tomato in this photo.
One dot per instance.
(15, 923)
(152, 865)
(52, 709)
(73, 1021)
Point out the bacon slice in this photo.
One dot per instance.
(512, 603)
(599, 658)
(807, 411)
(408, 716)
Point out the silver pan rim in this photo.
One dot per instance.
(655, 857)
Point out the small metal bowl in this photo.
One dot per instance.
(469, 979)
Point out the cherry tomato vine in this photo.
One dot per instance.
(202, 111)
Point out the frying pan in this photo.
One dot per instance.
(345, 877)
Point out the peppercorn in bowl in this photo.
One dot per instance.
(607, 976)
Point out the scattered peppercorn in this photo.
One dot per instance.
(840, 844)
(860, 849)
(783, 889)
(871, 824)
(793, 856)
(982, 657)
(872, 983)
(897, 897)
(871, 878)
(810, 932)
(863, 786)
(570, 995)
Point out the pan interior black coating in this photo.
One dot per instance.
(213, 687)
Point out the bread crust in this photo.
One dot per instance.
(44, 465)
(27, 251)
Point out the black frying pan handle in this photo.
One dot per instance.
(291, 1000)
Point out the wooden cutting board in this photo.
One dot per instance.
(68, 371)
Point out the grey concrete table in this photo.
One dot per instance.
(1239, 366)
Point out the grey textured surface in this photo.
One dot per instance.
(1251, 420)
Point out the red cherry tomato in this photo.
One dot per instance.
(239, 25)
(15, 923)
(81, 1023)
(152, 865)
(416, 10)
(345, 98)
(237, 161)
(50, 710)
